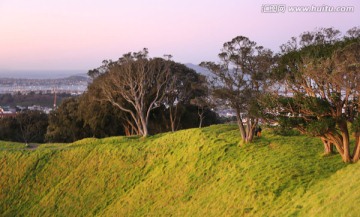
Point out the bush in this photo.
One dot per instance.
(285, 131)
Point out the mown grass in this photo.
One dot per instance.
(193, 172)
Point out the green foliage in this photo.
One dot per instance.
(9, 129)
(197, 172)
(316, 105)
(317, 122)
(33, 125)
(27, 126)
(320, 126)
(240, 78)
(102, 119)
(355, 127)
(147, 95)
(285, 131)
(322, 77)
(66, 123)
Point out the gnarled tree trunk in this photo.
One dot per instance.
(201, 116)
(328, 147)
(247, 133)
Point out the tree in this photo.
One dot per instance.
(102, 118)
(183, 86)
(32, 126)
(201, 103)
(240, 78)
(66, 123)
(322, 79)
(203, 100)
(138, 81)
(27, 126)
(9, 129)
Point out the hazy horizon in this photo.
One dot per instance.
(53, 73)
(40, 74)
(60, 35)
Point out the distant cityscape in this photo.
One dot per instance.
(51, 85)
(7, 111)
(74, 85)
(71, 86)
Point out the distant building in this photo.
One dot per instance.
(7, 112)
(35, 108)
(46, 110)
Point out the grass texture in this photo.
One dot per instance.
(196, 172)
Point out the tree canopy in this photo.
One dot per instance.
(239, 79)
(321, 75)
(135, 84)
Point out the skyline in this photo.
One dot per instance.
(78, 35)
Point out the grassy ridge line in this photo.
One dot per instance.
(188, 173)
(40, 171)
(337, 196)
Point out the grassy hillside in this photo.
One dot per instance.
(193, 172)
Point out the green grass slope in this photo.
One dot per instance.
(193, 172)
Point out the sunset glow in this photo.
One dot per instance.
(79, 34)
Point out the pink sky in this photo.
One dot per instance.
(79, 34)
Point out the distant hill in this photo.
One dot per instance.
(196, 172)
(199, 69)
(73, 78)
(40, 74)
(83, 77)
(71, 84)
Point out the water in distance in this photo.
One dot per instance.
(74, 82)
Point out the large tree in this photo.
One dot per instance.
(183, 86)
(137, 80)
(27, 126)
(101, 116)
(320, 73)
(203, 100)
(32, 126)
(66, 123)
(240, 78)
